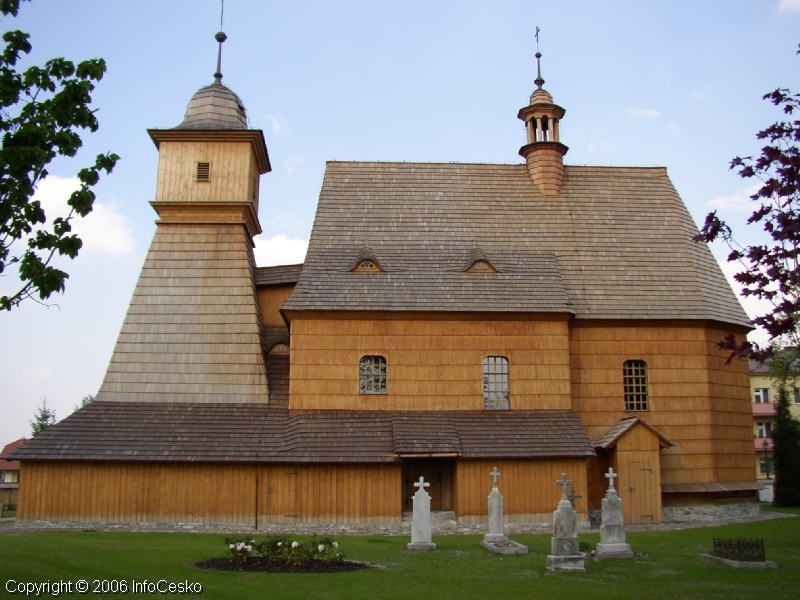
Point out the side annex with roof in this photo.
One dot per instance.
(448, 319)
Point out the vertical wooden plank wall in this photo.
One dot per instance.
(433, 362)
(204, 493)
(529, 489)
(232, 176)
(270, 300)
(695, 406)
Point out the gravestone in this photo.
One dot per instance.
(564, 546)
(421, 521)
(612, 531)
(496, 540)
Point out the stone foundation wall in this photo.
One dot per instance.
(698, 514)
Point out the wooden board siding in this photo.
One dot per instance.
(433, 362)
(192, 330)
(529, 489)
(233, 173)
(695, 399)
(206, 493)
(270, 300)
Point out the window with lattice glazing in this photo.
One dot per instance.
(495, 383)
(372, 375)
(635, 382)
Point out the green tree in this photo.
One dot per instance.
(784, 370)
(41, 111)
(84, 401)
(45, 417)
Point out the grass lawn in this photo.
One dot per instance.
(9, 514)
(459, 568)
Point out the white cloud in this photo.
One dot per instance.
(279, 125)
(785, 6)
(105, 229)
(292, 162)
(38, 372)
(739, 202)
(279, 250)
(642, 113)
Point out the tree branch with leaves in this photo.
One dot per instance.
(41, 112)
(770, 271)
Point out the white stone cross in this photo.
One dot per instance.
(421, 484)
(611, 475)
(564, 482)
(495, 474)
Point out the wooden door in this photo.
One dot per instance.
(436, 472)
(641, 488)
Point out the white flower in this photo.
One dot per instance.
(248, 548)
(321, 548)
(280, 543)
(240, 546)
(295, 544)
(231, 546)
(335, 544)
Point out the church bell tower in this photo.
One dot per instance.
(544, 152)
(193, 328)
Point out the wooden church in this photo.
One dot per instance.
(448, 319)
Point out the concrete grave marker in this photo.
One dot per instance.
(564, 545)
(421, 522)
(496, 540)
(612, 531)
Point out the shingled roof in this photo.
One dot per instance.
(207, 432)
(616, 243)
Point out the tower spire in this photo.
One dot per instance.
(220, 37)
(538, 81)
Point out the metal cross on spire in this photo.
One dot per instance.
(220, 37)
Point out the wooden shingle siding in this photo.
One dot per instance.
(236, 433)
(283, 274)
(208, 493)
(696, 400)
(614, 243)
(432, 364)
(193, 328)
(529, 488)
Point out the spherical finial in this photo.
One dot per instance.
(537, 55)
(220, 37)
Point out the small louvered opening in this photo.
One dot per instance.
(203, 171)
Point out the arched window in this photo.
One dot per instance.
(634, 377)
(495, 383)
(372, 375)
(279, 349)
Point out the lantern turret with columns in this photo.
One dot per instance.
(544, 151)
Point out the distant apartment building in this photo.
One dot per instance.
(765, 397)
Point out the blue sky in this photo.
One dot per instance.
(676, 84)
